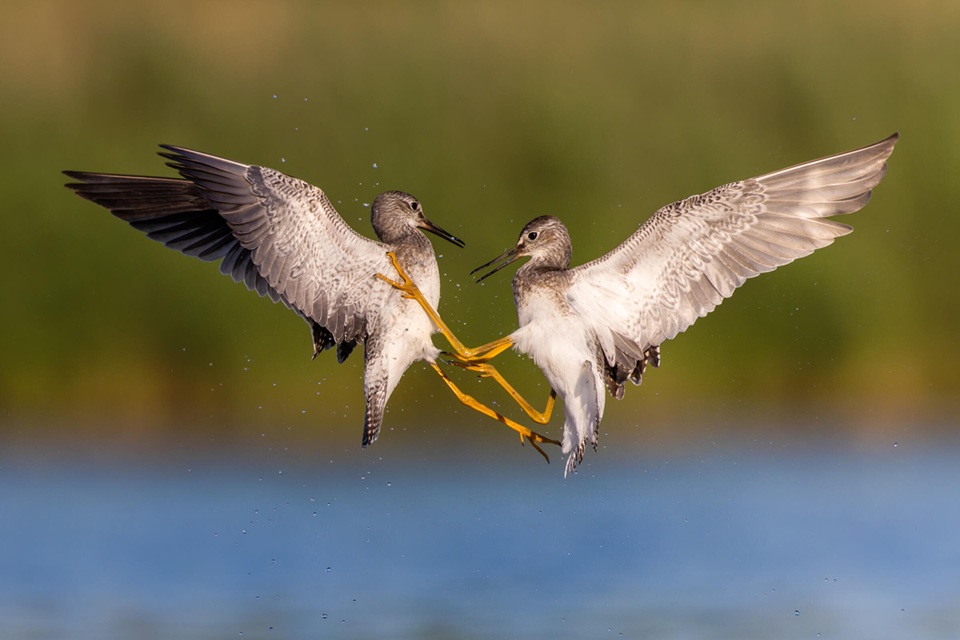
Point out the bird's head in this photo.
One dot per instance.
(544, 240)
(395, 213)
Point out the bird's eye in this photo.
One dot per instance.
(415, 205)
(532, 235)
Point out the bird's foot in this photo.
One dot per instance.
(529, 435)
(526, 434)
(534, 438)
(405, 285)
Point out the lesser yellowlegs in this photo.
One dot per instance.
(600, 324)
(283, 238)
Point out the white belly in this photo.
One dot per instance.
(405, 337)
(559, 346)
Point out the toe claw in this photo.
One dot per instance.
(535, 439)
(537, 447)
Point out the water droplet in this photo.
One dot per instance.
(375, 165)
(328, 569)
(796, 612)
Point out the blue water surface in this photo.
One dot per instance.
(811, 544)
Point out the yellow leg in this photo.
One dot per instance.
(487, 370)
(531, 436)
(464, 353)
(474, 359)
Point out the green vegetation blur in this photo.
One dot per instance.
(491, 113)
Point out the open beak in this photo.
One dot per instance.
(506, 257)
(426, 225)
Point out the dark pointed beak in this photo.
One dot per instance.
(507, 257)
(426, 225)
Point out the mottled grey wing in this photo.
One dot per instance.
(175, 212)
(280, 236)
(692, 254)
(297, 240)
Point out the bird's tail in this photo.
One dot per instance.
(377, 387)
(584, 408)
(376, 400)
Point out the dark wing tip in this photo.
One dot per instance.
(84, 178)
(889, 142)
(199, 158)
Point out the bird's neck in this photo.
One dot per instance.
(412, 242)
(539, 265)
(537, 273)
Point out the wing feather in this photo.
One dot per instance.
(692, 254)
(299, 243)
(278, 235)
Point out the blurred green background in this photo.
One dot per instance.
(491, 113)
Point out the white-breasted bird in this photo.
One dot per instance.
(593, 327)
(283, 238)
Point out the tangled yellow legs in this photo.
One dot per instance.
(476, 359)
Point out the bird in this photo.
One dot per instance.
(283, 238)
(593, 327)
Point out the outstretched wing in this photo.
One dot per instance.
(279, 235)
(692, 254)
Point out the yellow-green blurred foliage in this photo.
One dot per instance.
(491, 113)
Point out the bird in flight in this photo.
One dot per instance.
(592, 328)
(283, 238)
